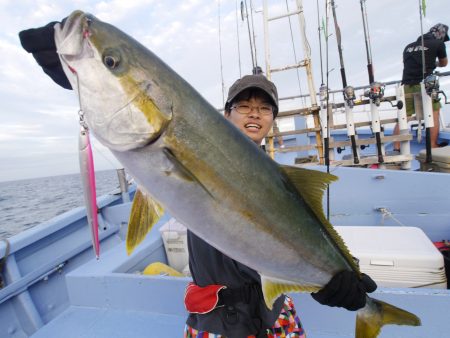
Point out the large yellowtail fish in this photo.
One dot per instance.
(187, 158)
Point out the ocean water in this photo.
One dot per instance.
(26, 203)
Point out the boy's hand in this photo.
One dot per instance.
(41, 43)
(346, 289)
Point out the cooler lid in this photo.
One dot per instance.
(394, 248)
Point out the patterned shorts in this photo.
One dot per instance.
(288, 325)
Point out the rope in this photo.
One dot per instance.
(386, 213)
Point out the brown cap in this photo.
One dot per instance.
(254, 81)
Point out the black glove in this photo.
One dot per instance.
(346, 289)
(41, 43)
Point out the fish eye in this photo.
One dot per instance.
(111, 61)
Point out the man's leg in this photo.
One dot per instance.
(396, 132)
(434, 132)
(410, 90)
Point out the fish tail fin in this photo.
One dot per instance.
(376, 314)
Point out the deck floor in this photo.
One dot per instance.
(83, 322)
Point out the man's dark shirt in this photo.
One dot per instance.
(210, 266)
(412, 58)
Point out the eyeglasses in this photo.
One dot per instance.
(245, 109)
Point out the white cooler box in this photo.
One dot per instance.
(174, 236)
(396, 256)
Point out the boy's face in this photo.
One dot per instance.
(255, 124)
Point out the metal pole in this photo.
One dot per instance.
(308, 66)
(123, 185)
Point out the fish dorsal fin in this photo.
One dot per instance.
(145, 212)
(311, 185)
(272, 288)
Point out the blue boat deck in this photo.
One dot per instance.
(109, 298)
(84, 322)
(57, 289)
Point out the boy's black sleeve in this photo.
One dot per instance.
(41, 43)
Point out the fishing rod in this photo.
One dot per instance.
(348, 92)
(252, 41)
(327, 91)
(325, 100)
(323, 93)
(426, 90)
(376, 91)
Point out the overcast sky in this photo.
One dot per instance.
(39, 127)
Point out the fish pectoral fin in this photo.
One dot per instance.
(182, 172)
(145, 212)
(273, 288)
(376, 313)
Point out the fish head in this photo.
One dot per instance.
(120, 102)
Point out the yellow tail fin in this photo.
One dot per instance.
(376, 313)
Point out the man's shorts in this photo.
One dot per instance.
(287, 325)
(413, 89)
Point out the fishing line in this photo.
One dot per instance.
(220, 53)
(99, 151)
(238, 41)
(82, 121)
(320, 42)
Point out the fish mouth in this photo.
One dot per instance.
(72, 33)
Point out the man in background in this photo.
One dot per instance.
(413, 72)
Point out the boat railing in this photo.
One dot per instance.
(391, 104)
(321, 109)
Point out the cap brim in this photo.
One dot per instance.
(253, 86)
